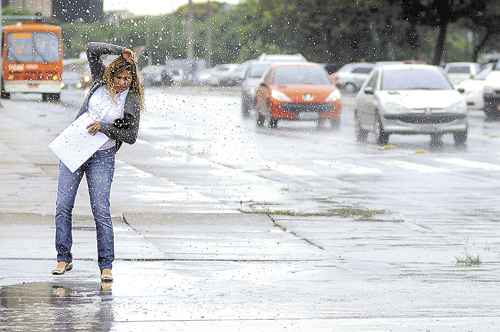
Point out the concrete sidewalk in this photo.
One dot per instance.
(227, 272)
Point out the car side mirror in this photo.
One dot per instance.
(461, 90)
(368, 90)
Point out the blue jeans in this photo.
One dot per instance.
(99, 170)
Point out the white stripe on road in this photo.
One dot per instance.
(413, 166)
(469, 164)
(348, 167)
(288, 169)
(153, 188)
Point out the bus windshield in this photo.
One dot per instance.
(33, 47)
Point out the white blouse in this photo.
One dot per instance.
(104, 109)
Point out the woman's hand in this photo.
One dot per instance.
(93, 128)
(129, 56)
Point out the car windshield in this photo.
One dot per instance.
(458, 70)
(301, 75)
(414, 79)
(33, 47)
(258, 69)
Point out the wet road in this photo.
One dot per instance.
(362, 236)
(203, 144)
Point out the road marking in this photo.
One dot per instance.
(469, 164)
(157, 188)
(348, 167)
(413, 166)
(288, 169)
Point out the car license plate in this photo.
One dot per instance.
(430, 128)
(308, 116)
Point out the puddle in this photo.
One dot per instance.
(56, 306)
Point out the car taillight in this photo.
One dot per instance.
(55, 77)
(10, 77)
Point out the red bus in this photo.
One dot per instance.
(32, 56)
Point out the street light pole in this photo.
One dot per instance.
(189, 31)
(209, 34)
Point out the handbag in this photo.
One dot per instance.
(125, 122)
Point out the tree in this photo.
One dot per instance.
(438, 14)
(488, 23)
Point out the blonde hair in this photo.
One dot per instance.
(117, 66)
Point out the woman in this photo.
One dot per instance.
(114, 101)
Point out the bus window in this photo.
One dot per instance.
(33, 47)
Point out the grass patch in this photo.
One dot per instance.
(344, 212)
(468, 260)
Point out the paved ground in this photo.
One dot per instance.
(196, 263)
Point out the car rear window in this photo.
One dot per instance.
(414, 79)
(301, 75)
(458, 70)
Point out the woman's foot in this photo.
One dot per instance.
(62, 267)
(106, 275)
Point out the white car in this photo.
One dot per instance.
(461, 71)
(152, 75)
(473, 89)
(491, 93)
(282, 58)
(352, 76)
(410, 99)
(220, 74)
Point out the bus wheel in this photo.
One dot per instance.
(54, 97)
(4, 95)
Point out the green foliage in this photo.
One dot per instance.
(340, 31)
(15, 11)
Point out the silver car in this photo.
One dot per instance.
(352, 76)
(253, 75)
(410, 99)
(460, 71)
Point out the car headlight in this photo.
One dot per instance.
(395, 108)
(280, 96)
(489, 90)
(458, 107)
(334, 96)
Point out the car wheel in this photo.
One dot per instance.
(273, 123)
(244, 108)
(361, 134)
(436, 139)
(334, 124)
(350, 87)
(490, 116)
(3, 94)
(460, 137)
(260, 119)
(381, 136)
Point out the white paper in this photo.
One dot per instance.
(75, 145)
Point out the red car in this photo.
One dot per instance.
(300, 91)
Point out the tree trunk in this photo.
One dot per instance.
(438, 51)
(478, 47)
